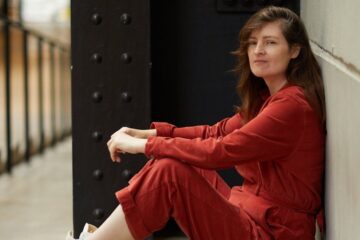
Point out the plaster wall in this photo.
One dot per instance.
(334, 29)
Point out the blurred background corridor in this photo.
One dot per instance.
(35, 78)
(35, 119)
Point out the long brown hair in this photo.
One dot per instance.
(303, 71)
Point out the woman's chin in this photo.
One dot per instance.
(259, 75)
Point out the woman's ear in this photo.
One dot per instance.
(295, 51)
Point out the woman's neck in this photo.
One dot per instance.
(274, 85)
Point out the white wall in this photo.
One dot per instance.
(334, 29)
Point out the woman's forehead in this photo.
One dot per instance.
(267, 30)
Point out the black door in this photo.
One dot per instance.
(110, 89)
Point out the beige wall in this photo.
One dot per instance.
(334, 29)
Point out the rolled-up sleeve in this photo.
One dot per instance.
(220, 129)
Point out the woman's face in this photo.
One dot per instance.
(269, 52)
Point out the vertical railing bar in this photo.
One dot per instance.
(26, 93)
(62, 92)
(66, 95)
(41, 103)
(20, 9)
(68, 67)
(52, 94)
(7, 47)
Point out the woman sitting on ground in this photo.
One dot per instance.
(275, 141)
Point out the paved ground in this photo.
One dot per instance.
(36, 200)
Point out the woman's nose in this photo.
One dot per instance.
(259, 49)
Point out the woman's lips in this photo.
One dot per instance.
(260, 61)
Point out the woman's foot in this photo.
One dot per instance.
(87, 231)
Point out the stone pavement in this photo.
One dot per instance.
(36, 200)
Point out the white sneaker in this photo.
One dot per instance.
(87, 231)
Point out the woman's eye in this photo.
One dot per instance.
(251, 43)
(270, 42)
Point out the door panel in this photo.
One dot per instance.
(110, 89)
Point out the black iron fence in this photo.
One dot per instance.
(35, 92)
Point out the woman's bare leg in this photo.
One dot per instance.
(114, 228)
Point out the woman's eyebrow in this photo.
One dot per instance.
(269, 36)
(264, 37)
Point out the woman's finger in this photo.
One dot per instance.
(115, 156)
(111, 151)
(114, 152)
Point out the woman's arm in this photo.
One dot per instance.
(272, 135)
(138, 133)
(130, 140)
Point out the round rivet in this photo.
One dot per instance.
(96, 58)
(98, 174)
(125, 19)
(229, 2)
(97, 136)
(96, 19)
(127, 174)
(98, 213)
(126, 58)
(126, 97)
(97, 97)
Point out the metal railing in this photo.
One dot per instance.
(35, 92)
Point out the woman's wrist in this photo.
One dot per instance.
(141, 145)
(148, 133)
(137, 133)
(152, 132)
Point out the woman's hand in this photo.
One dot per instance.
(121, 142)
(138, 133)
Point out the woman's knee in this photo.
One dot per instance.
(171, 167)
(169, 163)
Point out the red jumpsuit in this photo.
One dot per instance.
(279, 153)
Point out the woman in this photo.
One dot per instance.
(275, 141)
